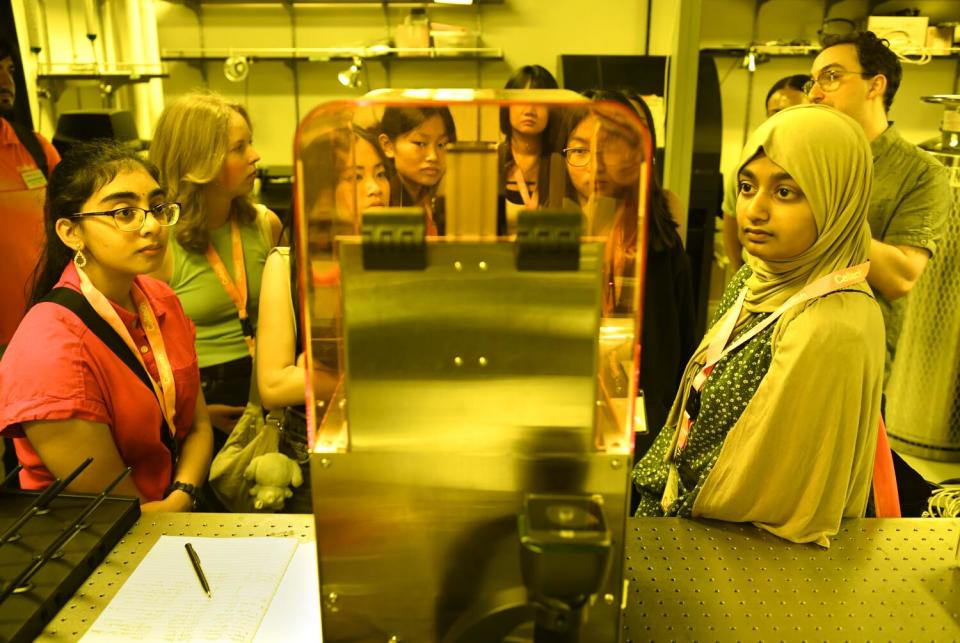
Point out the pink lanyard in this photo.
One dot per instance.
(237, 287)
(165, 389)
(718, 347)
(528, 201)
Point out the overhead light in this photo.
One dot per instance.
(236, 68)
(453, 1)
(351, 76)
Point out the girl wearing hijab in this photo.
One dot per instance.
(776, 418)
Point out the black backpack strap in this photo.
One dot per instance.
(79, 306)
(30, 141)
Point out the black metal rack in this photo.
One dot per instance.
(24, 613)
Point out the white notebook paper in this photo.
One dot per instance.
(163, 600)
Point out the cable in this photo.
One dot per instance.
(923, 54)
(944, 502)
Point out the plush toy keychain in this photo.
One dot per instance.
(272, 474)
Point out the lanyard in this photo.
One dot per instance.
(237, 287)
(718, 347)
(165, 389)
(528, 200)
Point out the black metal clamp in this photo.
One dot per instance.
(549, 239)
(394, 239)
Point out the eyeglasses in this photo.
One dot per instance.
(131, 218)
(829, 80)
(615, 156)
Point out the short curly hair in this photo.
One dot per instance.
(875, 57)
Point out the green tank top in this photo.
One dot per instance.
(219, 335)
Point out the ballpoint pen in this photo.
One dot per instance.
(195, 561)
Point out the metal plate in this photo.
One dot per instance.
(880, 580)
(82, 610)
(409, 543)
(470, 343)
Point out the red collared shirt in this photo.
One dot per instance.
(21, 219)
(56, 369)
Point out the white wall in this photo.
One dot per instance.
(528, 31)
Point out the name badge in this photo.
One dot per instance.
(33, 178)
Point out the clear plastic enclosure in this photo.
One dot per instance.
(460, 289)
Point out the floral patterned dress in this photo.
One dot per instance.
(725, 395)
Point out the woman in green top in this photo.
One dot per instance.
(214, 262)
(776, 418)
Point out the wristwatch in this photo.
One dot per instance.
(190, 489)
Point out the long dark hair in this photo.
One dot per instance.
(664, 228)
(530, 77)
(399, 120)
(527, 77)
(84, 169)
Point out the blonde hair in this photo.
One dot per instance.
(189, 146)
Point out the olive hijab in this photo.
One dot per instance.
(800, 455)
(828, 155)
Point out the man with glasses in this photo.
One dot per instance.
(859, 75)
(25, 161)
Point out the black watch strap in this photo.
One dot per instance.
(186, 487)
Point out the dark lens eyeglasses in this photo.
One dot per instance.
(132, 218)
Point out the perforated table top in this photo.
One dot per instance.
(879, 580)
(688, 580)
(79, 613)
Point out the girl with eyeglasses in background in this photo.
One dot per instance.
(604, 156)
(64, 395)
(415, 140)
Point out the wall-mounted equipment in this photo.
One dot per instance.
(236, 68)
(350, 77)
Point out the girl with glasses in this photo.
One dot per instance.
(776, 418)
(203, 146)
(415, 140)
(604, 155)
(64, 395)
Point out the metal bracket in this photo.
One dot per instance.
(394, 239)
(548, 239)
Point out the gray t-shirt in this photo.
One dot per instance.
(908, 207)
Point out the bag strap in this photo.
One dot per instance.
(76, 303)
(30, 141)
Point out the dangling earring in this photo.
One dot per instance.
(78, 259)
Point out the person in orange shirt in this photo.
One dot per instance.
(23, 181)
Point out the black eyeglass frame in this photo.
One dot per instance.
(153, 211)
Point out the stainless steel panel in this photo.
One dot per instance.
(408, 542)
(470, 353)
